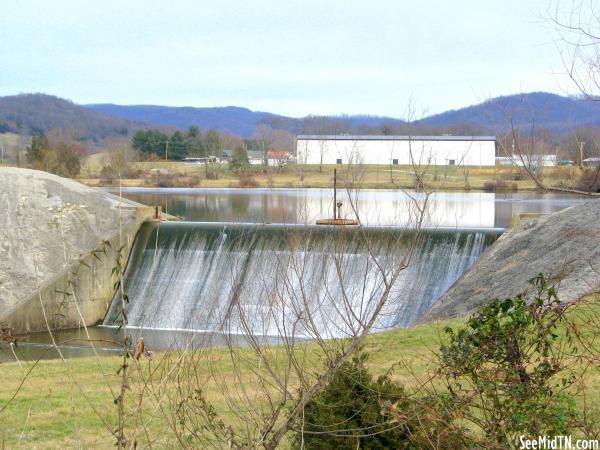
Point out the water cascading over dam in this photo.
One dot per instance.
(272, 280)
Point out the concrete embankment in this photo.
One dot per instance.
(59, 242)
(564, 246)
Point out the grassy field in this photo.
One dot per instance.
(67, 405)
(179, 174)
(70, 404)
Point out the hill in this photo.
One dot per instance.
(556, 113)
(30, 114)
(35, 113)
(550, 111)
(229, 119)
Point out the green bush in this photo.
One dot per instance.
(509, 368)
(504, 375)
(239, 159)
(357, 411)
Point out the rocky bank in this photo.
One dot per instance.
(58, 243)
(564, 246)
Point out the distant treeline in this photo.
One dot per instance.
(178, 145)
(56, 153)
(157, 144)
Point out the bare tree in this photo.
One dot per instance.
(264, 137)
(285, 303)
(577, 27)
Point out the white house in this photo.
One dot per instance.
(433, 150)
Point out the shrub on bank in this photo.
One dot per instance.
(500, 186)
(509, 368)
(246, 180)
(589, 180)
(356, 410)
(506, 374)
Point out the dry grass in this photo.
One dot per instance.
(372, 176)
(440, 178)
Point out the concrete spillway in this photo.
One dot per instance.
(231, 278)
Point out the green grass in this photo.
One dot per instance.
(70, 405)
(55, 406)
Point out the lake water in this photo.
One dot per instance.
(446, 210)
(375, 207)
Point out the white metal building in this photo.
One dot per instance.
(433, 150)
(526, 160)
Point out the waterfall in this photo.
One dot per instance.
(269, 280)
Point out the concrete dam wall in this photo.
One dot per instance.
(59, 242)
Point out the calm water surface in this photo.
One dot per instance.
(375, 207)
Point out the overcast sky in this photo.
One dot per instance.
(288, 57)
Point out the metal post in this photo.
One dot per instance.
(334, 194)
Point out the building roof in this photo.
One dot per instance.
(279, 154)
(349, 137)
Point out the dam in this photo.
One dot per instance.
(262, 279)
(244, 261)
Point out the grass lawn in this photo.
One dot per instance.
(70, 404)
(65, 405)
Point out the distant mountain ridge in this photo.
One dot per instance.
(540, 109)
(230, 119)
(29, 114)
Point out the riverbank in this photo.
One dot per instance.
(439, 178)
(69, 404)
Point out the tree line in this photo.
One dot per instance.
(158, 144)
(57, 152)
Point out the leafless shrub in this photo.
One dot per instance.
(589, 180)
(246, 180)
(500, 185)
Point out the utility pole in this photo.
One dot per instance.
(581, 144)
(167, 151)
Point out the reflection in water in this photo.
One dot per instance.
(383, 208)
(104, 341)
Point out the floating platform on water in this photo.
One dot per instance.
(337, 222)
